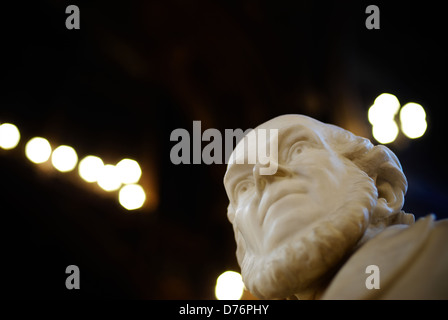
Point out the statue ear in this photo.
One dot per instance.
(390, 181)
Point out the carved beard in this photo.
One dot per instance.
(303, 262)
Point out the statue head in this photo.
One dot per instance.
(332, 191)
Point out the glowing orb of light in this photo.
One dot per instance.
(38, 150)
(132, 196)
(9, 136)
(64, 158)
(229, 286)
(90, 167)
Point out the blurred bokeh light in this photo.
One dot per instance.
(64, 158)
(38, 150)
(385, 131)
(132, 196)
(229, 286)
(382, 117)
(90, 167)
(384, 108)
(109, 178)
(413, 120)
(129, 171)
(9, 136)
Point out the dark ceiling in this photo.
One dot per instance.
(137, 70)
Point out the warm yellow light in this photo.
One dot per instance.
(90, 167)
(64, 158)
(129, 171)
(384, 108)
(413, 120)
(388, 99)
(109, 178)
(385, 132)
(229, 286)
(9, 136)
(132, 196)
(38, 150)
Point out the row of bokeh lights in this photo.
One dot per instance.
(383, 116)
(124, 176)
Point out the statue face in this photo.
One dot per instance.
(284, 222)
(310, 182)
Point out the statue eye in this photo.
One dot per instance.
(243, 188)
(296, 149)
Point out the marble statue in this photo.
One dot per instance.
(332, 209)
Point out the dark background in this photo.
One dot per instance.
(137, 70)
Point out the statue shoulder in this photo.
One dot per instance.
(411, 261)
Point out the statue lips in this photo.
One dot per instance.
(277, 194)
(282, 219)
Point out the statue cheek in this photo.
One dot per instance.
(245, 216)
(247, 223)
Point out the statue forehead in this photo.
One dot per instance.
(288, 126)
(290, 120)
